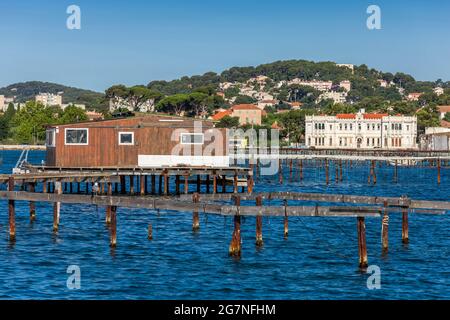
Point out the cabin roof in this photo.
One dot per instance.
(147, 121)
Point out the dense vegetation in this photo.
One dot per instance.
(28, 124)
(26, 91)
(198, 96)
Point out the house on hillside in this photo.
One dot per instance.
(247, 114)
(150, 141)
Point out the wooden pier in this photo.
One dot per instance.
(205, 190)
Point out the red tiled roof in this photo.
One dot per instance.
(445, 124)
(221, 114)
(245, 107)
(444, 109)
(370, 116)
(346, 116)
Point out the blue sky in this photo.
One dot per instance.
(136, 41)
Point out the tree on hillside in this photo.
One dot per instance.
(447, 117)
(73, 114)
(138, 95)
(427, 117)
(244, 100)
(29, 124)
(116, 93)
(177, 104)
(228, 122)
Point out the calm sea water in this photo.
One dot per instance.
(318, 261)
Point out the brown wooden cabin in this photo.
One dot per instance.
(148, 141)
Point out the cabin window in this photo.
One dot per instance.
(126, 138)
(76, 136)
(192, 138)
(50, 138)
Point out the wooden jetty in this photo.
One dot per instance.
(107, 187)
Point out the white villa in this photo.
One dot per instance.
(361, 131)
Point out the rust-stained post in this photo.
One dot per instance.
(186, 184)
(150, 232)
(235, 182)
(132, 185)
(32, 203)
(195, 217)
(259, 236)
(108, 208)
(44, 186)
(235, 245)
(438, 164)
(142, 185)
(57, 207)
(113, 227)
(250, 184)
(166, 183)
(11, 212)
(362, 246)
(405, 231)
(385, 229)
(214, 183)
(286, 221)
(374, 174)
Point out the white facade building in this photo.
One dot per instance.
(361, 131)
(336, 96)
(49, 99)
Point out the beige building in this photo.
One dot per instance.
(247, 114)
(361, 131)
(2, 103)
(49, 99)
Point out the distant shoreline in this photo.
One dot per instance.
(22, 147)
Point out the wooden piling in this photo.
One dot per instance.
(186, 184)
(11, 212)
(142, 185)
(195, 216)
(132, 185)
(290, 169)
(286, 221)
(108, 208)
(32, 203)
(327, 177)
(405, 227)
(235, 245)
(57, 207)
(362, 246)
(113, 227)
(150, 232)
(438, 164)
(166, 184)
(259, 236)
(385, 229)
